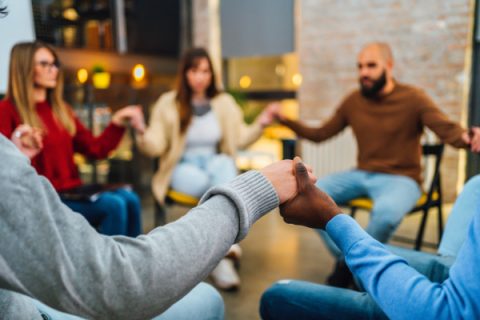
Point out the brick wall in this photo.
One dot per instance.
(431, 40)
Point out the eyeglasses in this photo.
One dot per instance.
(49, 65)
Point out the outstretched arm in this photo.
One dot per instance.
(401, 291)
(316, 134)
(77, 270)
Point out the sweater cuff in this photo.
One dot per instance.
(345, 232)
(115, 129)
(252, 194)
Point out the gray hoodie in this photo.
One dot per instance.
(52, 254)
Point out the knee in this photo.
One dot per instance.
(275, 296)
(132, 198)
(212, 301)
(114, 205)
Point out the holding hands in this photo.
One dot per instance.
(472, 137)
(310, 206)
(269, 114)
(130, 115)
(281, 176)
(28, 140)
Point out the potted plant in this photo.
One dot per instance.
(100, 78)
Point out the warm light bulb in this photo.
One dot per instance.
(138, 72)
(245, 82)
(297, 79)
(82, 75)
(70, 14)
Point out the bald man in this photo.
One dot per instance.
(387, 119)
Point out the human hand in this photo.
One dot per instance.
(132, 115)
(269, 114)
(472, 137)
(28, 140)
(281, 176)
(311, 207)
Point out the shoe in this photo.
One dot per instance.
(224, 276)
(235, 253)
(341, 276)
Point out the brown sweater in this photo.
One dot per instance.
(387, 129)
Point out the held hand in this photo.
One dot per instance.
(281, 175)
(277, 111)
(269, 113)
(310, 207)
(132, 115)
(28, 140)
(473, 138)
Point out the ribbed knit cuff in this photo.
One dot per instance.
(252, 194)
(345, 232)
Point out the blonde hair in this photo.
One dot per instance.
(21, 87)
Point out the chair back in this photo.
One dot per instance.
(432, 154)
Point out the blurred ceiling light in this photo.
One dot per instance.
(297, 79)
(280, 70)
(82, 75)
(245, 82)
(70, 14)
(138, 72)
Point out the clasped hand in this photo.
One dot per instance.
(28, 140)
(301, 202)
(132, 115)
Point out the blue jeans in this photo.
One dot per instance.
(195, 174)
(460, 217)
(203, 302)
(290, 299)
(115, 212)
(311, 301)
(393, 197)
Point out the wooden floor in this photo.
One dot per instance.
(274, 250)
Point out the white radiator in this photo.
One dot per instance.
(334, 155)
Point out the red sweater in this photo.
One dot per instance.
(55, 161)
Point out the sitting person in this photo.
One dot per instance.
(196, 131)
(387, 119)
(54, 256)
(34, 104)
(399, 283)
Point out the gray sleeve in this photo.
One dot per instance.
(52, 254)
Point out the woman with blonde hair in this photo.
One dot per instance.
(41, 124)
(196, 131)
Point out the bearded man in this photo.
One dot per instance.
(387, 119)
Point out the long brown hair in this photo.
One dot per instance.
(190, 60)
(21, 87)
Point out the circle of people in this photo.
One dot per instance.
(54, 264)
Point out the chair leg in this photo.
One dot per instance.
(421, 230)
(440, 223)
(159, 214)
(353, 211)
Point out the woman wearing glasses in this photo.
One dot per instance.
(41, 124)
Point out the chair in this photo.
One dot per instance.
(431, 198)
(172, 196)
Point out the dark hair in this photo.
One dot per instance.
(190, 60)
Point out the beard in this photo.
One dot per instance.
(372, 91)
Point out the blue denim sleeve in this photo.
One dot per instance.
(401, 291)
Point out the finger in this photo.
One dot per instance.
(301, 174)
(309, 167)
(312, 177)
